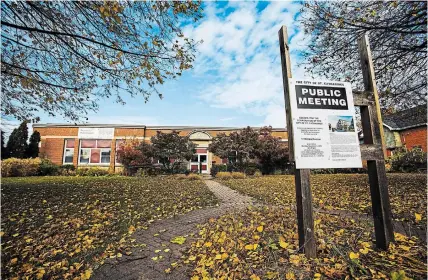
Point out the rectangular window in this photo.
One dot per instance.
(195, 158)
(105, 155)
(68, 151)
(84, 155)
(95, 152)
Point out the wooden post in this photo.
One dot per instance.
(373, 134)
(370, 81)
(305, 220)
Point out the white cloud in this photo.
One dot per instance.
(242, 50)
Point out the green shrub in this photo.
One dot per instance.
(67, 170)
(224, 175)
(251, 169)
(15, 167)
(92, 171)
(47, 168)
(215, 168)
(414, 160)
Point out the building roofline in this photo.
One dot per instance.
(149, 127)
(405, 127)
(87, 125)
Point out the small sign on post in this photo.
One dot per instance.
(322, 134)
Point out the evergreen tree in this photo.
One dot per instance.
(3, 148)
(17, 143)
(33, 146)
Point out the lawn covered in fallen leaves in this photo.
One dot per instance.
(263, 244)
(343, 192)
(62, 227)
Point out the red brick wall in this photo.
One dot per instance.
(414, 137)
(53, 149)
(57, 131)
(129, 132)
(52, 144)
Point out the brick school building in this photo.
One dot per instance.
(95, 145)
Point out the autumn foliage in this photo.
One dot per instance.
(65, 227)
(134, 153)
(249, 145)
(262, 243)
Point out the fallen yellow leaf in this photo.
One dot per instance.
(131, 229)
(283, 244)
(254, 277)
(364, 251)
(354, 256)
(418, 217)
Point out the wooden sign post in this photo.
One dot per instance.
(371, 150)
(373, 137)
(305, 219)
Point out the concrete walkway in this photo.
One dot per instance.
(139, 265)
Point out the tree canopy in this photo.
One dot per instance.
(133, 153)
(251, 145)
(33, 145)
(397, 34)
(17, 143)
(62, 57)
(3, 147)
(271, 154)
(171, 149)
(241, 143)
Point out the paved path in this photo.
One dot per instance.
(139, 265)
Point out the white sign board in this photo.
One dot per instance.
(324, 126)
(96, 133)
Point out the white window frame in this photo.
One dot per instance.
(65, 148)
(95, 163)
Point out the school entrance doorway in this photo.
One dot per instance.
(199, 162)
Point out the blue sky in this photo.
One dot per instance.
(236, 79)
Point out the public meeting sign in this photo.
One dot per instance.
(324, 126)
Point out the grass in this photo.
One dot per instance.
(62, 227)
(262, 243)
(343, 192)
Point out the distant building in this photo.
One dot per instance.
(91, 145)
(406, 129)
(342, 124)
